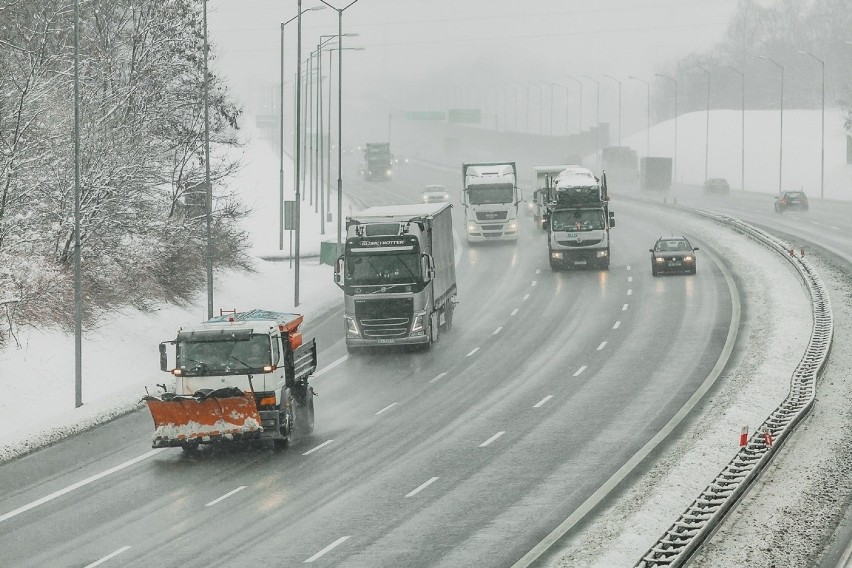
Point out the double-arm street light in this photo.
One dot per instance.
(673, 80)
(619, 105)
(339, 114)
(742, 126)
(822, 142)
(647, 114)
(597, 120)
(781, 132)
(707, 126)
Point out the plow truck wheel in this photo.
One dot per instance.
(305, 415)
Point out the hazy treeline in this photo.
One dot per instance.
(779, 30)
(141, 150)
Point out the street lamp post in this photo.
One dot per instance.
(822, 142)
(707, 126)
(619, 105)
(673, 80)
(742, 127)
(579, 106)
(597, 120)
(339, 114)
(781, 132)
(647, 115)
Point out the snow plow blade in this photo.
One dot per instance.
(223, 414)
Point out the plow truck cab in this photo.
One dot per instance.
(237, 376)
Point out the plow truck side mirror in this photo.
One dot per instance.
(338, 271)
(164, 357)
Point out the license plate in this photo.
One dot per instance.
(385, 340)
(580, 262)
(674, 264)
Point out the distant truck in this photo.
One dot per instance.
(545, 180)
(378, 162)
(490, 198)
(239, 376)
(398, 276)
(655, 173)
(620, 164)
(578, 222)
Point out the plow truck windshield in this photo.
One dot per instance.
(218, 353)
(578, 220)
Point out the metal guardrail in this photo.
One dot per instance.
(707, 511)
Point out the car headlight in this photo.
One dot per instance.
(446, 196)
(659, 259)
(417, 324)
(351, 326)
(556, 255)
(388, 173)
(471, 227)
(602, 253)
(687, 259)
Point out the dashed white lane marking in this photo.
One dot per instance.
(832, 226)
(630, 279)
(616, 325)
(108, 557)
(628, 267)
(526, 296)
(331, 366)
(498, 330)
(543, 401)
(388, 407)
(624, 308)
(225, 496)
(328, 548)
(475, 349)
(491, 439)
(438, 378)
(538, 270)
(423, 486)
(534, 283)
(579, 371)
(629, 292)
(601, 346)
(315, 448)
(515, 311)
(79, 484)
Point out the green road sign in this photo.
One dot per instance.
(465, 115)
(426, 115)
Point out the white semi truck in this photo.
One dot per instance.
(578, 221)
(398, 276)
(490, 198)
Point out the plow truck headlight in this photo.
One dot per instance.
(417, 324)
(351, 326)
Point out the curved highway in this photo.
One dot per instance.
(467, 455)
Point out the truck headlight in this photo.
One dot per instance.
(471, 227)
(602, 253)
(351, 326)
(556, 255)
(513, 225)
(659, 259)
(687, 259)
(388, 173)
(417, 324)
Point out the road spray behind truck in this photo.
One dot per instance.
(398, 275)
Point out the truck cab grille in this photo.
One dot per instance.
(384, 317)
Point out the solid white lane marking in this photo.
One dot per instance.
(541, 403)
(388, 407)
(315, 448)
(616, 325)
(534, 282)
(580, 370)
(629, 292)
(496, 331)
(630, 279)
(328, 548)
(423, 486)
(538, 270)
(330, 366)
(108, 557)
(601, 346)
(526, 296)
(438, 378)
(225, 496)
(624, 308)
(515, 311)
(628, 267)
(79, 484)
(475, 349)
(491, 439)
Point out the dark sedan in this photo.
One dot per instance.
(791, 200)
(716, 185)
(672, 255)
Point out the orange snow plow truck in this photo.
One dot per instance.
(239, 376)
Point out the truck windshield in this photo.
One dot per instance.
(376, 268)
(482, 194)
(200, 355)
(577, 220)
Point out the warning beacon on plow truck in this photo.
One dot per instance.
(237, 376)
